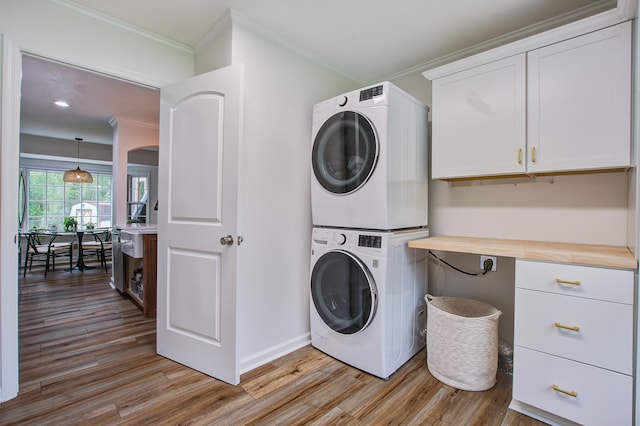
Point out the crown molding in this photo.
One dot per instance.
(262, 32)
(90, 13)
(116, 120)
(535, 36)
(220, 26)
(232, 17)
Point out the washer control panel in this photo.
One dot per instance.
(347, 239)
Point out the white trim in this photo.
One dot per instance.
(9, 156)
(539, 414)
(119, 119)
(257, 359)
(11, 64)
(83, 10)
(574, 29)
(41, 160)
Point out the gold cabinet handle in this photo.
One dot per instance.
(561, 281)
(566, 392)
(533, 154)
(519, 155)
(567, 327)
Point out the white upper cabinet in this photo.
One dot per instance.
(479, 121)
(564, 107)
(579, 102)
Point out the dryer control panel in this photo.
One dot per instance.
(372, 241)
(369, 93)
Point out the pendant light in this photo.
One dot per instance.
(77, 175)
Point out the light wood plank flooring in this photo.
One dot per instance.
(87, 356)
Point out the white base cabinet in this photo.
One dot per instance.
(573, 343)
(565, 107)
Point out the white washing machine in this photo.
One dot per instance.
(369, 160)
(367, 297)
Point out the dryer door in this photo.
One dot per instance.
(343, 292)
(345, 152)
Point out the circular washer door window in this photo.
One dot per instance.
(343, 292)
(345, 152)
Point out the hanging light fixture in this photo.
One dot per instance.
(78, 175)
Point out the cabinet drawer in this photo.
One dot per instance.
(605, 334)
(602, 397)
(614, 285)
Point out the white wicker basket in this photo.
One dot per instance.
(462, 342)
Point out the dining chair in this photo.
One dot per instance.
(102, 245)
(47, 252)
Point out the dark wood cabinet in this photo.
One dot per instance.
(141, 275)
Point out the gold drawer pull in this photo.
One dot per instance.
(533, 154)
(519, 155)
(567, 327)
(566, 392)
(561, 281)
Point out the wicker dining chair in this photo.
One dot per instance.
(102, 245)
(47, 252)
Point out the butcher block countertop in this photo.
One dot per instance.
(582, 254)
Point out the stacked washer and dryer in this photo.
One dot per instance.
(368, 199)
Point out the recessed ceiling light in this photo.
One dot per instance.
(62, 104)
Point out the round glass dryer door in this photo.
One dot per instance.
(345, 152)
(343, 292)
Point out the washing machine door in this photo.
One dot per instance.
(343, 292)
(345, 152)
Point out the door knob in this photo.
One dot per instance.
(226, 241)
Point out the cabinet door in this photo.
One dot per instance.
(479, 121)
(579, 100)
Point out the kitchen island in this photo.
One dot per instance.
(140, 259)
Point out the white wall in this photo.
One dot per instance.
(216, 53)
(281, 87)
(40, 145)
(128, 135)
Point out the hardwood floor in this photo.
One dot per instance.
(87, 356)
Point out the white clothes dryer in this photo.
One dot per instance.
(367, 297)
(369, 160)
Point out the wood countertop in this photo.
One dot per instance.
(583, 254)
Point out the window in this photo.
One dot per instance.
(137, 198)
(50, 200)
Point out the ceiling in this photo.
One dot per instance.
(93, 100)
(366, 40)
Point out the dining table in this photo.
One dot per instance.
(79, 233)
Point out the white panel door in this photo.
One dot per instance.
(200, 145)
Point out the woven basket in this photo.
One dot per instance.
(462, 342)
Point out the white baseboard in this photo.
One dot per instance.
(260, 358)
(539, 414)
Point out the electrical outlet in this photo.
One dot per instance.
(494, 259)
